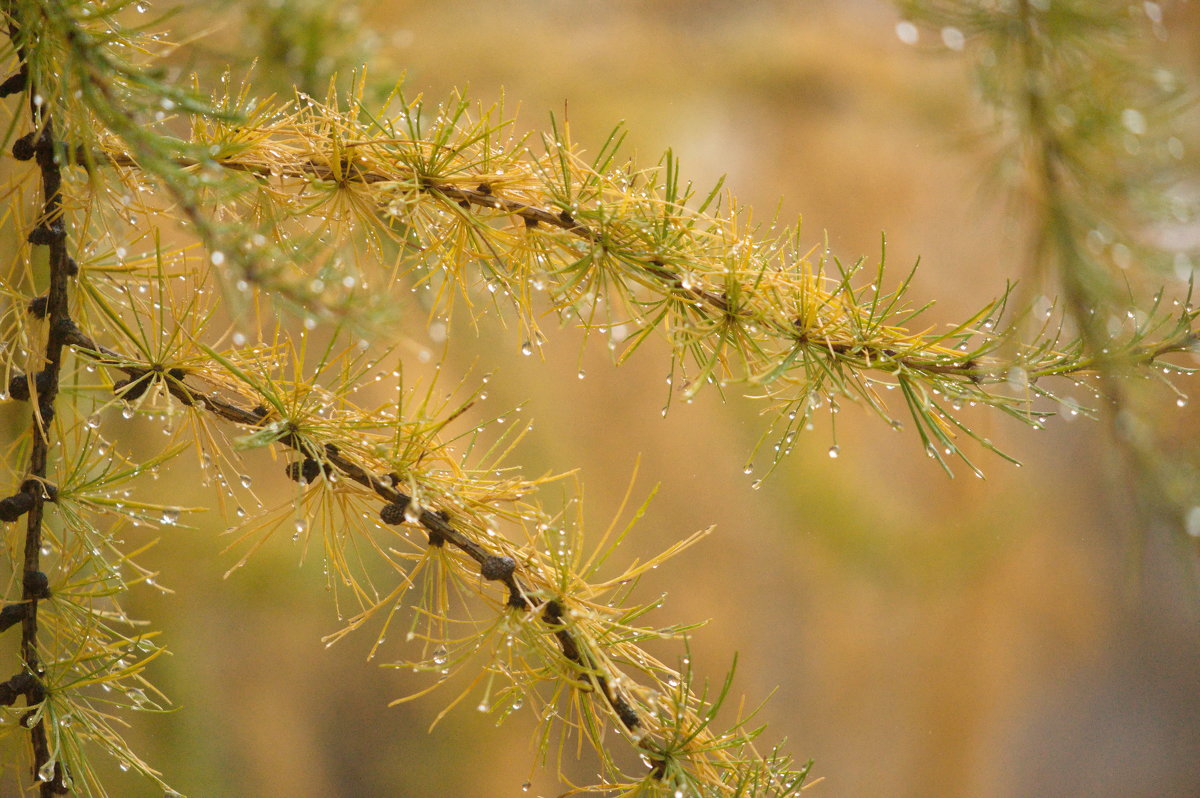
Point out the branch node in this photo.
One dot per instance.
(304, 471)
(18, 386)
(39, 305)
(497, 568)
(48, 233)
(552, 615)
(65, 328)
(23, 149)
(393, 513)
(37, 584)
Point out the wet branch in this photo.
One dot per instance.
(861, 356)
(49, 231)
(437, 524)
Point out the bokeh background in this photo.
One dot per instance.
(1019, 635)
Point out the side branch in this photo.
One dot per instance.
(919, 358)
(437, 524)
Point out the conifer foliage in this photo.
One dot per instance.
(228, 264)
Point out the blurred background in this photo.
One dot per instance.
(1018, 635)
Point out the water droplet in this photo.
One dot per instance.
(1181, 401)
(833, 452)
(953, 38)
(245, 480)
(127, 412)
(525, 787)
(1134, 121)
(170, 516)
(93, 421)
(1175, 148)
(907, 32)
(581, 374)
(527, 349)
(747, 470)
(300, 527)
(440, 654)
(141, 7)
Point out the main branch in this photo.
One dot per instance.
(50, 232)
